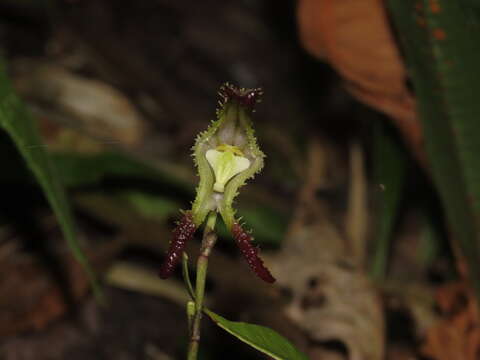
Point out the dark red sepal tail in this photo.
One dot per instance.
(181, 234)
(250, 253)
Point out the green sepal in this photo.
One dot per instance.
(256, 156)
(202, 204)
(232, 127)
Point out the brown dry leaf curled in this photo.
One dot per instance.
(457, 335)
(355, 38)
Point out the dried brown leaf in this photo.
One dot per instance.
(457, 334)
(332, 298)
(31, 297)
(355, 38)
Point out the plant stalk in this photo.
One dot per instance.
(208, 241)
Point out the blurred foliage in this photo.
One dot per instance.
(84, 170)
(439, 43)
(155, 193)
(17, 122)
(390, 165)
(443, 56)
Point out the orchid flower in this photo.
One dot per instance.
(226, 156)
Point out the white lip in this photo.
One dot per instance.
(225, 165)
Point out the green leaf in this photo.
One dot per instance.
(259, 337)
(429, 245)
(389, 173)
(150, 206)
(443, 55)
(270, 225)
(91, 169)
(19, 125)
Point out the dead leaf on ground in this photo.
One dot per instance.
(355, 38)
(31, 298)
(332, 299)
(457, 335)
(34, 293)
(89, 104)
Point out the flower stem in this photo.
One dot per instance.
(208, 241)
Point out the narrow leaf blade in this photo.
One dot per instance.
(19, 125)
(390, 173)
(443, 57)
